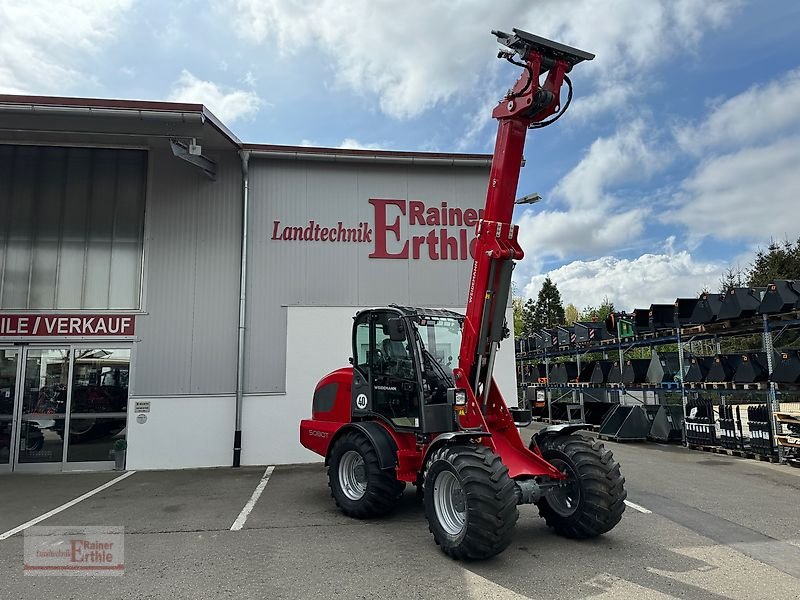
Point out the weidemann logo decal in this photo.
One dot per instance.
(451, 235)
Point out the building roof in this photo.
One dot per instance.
(198, 114)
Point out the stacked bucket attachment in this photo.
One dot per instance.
(664, 367)
(589, 333)
(641, 320)
(627, 423)
(585, 374)
(707, 308)
(781, 296)
(684, 309)
(740, 303)
(667, 425)
(723, 368)
(787, 367)
(600, 372)
(730, 427)
(698, 369)
(751, 368)
(614, 373)
(564, 372)
(635, 371)
(661, 316)
(566, 336)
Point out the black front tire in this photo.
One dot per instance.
(381, 489)
(487, 501)
(595, 499)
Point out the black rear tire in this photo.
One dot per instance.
(371, 491)
(595, 500)
(486, 503)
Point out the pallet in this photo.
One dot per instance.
(759, 385)
(718, 385)
(788, 441)
(608, 342)
(734, 452)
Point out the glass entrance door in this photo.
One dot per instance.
(9, 365)
(42, 416)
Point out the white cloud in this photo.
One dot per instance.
(630, 283)
(594, 219)
(353, 144)
(42, 44)
(413, 55)
(754, 115)
(226, 103)
(750, 194)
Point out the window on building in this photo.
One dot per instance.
(73, 224)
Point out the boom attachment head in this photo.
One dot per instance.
(528, 101)
(523, 43)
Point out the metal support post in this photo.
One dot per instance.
(684, 400)
(773, 405)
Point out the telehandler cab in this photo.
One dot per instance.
(404, 413)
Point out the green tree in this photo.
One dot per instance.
(548, 310)
(571, 314)
(731, 278)
(528, 319)
(600, 313)
(778, 261)
(518, 304)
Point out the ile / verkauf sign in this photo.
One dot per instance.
(439, 232)
(66, 325)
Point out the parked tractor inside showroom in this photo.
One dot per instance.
(404, 413)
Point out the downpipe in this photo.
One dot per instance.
(237, 434)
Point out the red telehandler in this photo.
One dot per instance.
(403, 414)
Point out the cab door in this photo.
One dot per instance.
(385, 375)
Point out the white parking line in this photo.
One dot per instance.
(641, 509)
(64, 506)
(240, 520)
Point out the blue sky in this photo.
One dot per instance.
(679, 156)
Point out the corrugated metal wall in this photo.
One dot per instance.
(192, 238)
(340, 274)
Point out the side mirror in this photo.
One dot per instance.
(396, 330)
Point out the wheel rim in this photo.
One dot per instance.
(353, 475)
(450, 503)
(564, 500)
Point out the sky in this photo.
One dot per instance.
(677, 159)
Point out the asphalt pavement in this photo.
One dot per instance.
(715, 527)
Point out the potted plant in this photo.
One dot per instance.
(120, 447)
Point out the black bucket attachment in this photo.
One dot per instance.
(641, 320)
(700, 428)
(546, 338)
(741, 303)
(565, 372)
(730, 427)
(635, 371)
(626, 424)
(684, 309)
(531, 344)
(566, 336)
(667, 424)
(752, 368)
(664, 367)
(707, 308)
(614, 373)
(782, 296)
(723, 368)
(600, 372)
(661, 316)
(787, 367)
(586, 333)
(585, 375)
(698, 369)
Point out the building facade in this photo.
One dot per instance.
(165, 284)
